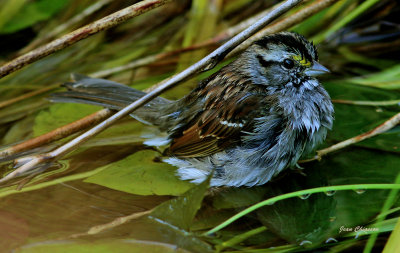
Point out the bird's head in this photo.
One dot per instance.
(284, 59)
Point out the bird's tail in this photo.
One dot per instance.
(94, 91)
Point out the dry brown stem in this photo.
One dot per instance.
(283, 24)
(296, 18)
(63, 27)
(27, 95)
(79, 34)
(387, 125)
(207, 62)
(115, 223)
(57, 134)
(367, 103)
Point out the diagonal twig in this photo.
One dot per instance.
(385, 126)
(79, 34)
(206, 63)
(114, 223)
(59, 29)
(285, 23)
(291, 20)
(367, 103)
(27, 95)
(97, 117)
(57, 134)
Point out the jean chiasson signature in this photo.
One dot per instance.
(357, 229)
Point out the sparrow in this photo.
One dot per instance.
(244, 124)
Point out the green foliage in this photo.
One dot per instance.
(117, 246)
(59, 115)
(139, 174)
(181, 211)
(114, 175)
(26, 15)
(368, 117)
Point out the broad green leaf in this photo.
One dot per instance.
(58, 115)
(238, 197)
(181, 211)
(117, 246)
(318, 217)
(31, 13)
(352, 120)
(8, 9)
(139, 174)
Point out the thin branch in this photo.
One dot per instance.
(59, 29)
(27, 95)
(206, 63)
(286, 23)
(387, 125)
(367, 103)
(218, 39)
(115, 223)
(57, 134)
(79, 34)
(283, 24)
(297, 194)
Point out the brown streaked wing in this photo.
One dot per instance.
(219, 124)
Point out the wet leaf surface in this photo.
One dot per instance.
(58, 115)
(30, 13)
(352, 120)
(319, 217)
(139, 174)
(126, 245)
(312, 220)
(114, 175)
(181, 211)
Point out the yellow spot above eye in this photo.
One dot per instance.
(302, 61)
(297, 57)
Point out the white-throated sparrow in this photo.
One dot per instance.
(255, 117)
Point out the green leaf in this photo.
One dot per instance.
(8, 9)
(58, 115)
(32, 13)
(117, 246)
(316, 218)
(238, 197)
(319, 217)
(352, 120)
(313, 220)
(139, 174)
(181, 211)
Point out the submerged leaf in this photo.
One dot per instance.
(33, 12)
(139, 174)
(58, 115)
(352, 120)
(181, 211)
(118, 246)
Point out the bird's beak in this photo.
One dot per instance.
(316, 69)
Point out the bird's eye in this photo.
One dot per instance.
(288, 63)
